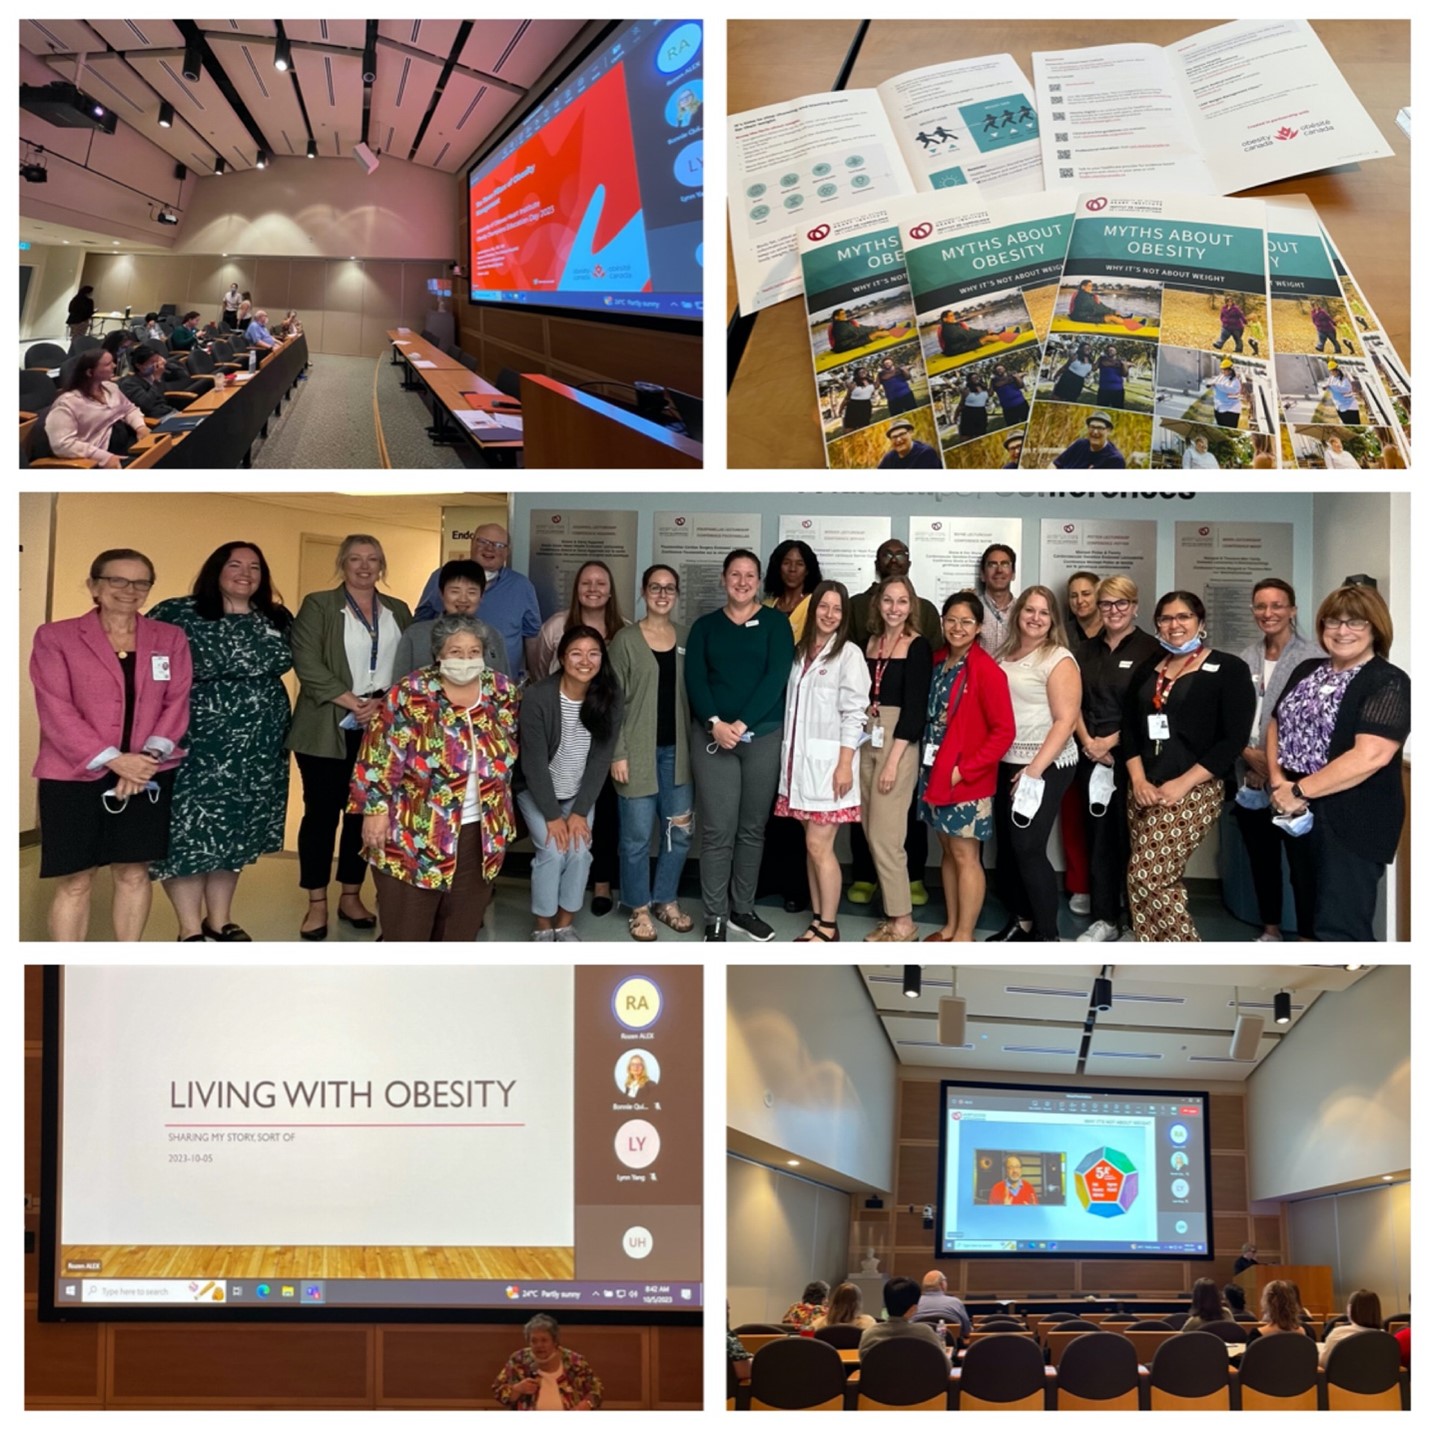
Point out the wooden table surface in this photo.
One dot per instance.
(772, 413)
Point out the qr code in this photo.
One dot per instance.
(1065, 173)
(1055, 89)
(1064, 153)
(1061, 136)
(1059, 114)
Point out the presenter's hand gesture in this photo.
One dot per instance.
(374, 830)
(621, 772)
(559, 834)
(579, 830)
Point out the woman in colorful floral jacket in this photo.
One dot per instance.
(544, 1375)
(432, 781)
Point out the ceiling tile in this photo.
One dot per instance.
(464, 119)
(124, 35)
(202, 104)
(435, 36)
(517, 50)
(57, 37)
(267, 93)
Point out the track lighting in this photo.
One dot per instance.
(193, 62)
(1102, 994)
(283, 54)
(219, 165)
(312, 148)
(262, 161)
(913, 980)
(166, 114)
(1281, 1007)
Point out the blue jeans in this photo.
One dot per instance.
(638, 816)
(558, 881)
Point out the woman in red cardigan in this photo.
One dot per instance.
(970, 726)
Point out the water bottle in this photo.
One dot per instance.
(253, 359)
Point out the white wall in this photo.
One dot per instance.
(1363, 1236)
(326, 208)
(1364, 532)
(54, 282)
(1331, 1105)
(806, 1039)
(783, 1232)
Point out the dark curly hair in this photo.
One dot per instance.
(775, 583)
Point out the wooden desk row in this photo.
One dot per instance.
(454, 388)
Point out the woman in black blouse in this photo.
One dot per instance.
(1333, 747)
(900, 667)
(1187, 718)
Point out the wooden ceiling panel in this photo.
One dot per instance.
(351, 33)
(126, 35)
(267, 28)
(267, 93)
(464, 120)
(399, 100)
(201, 103)
(436, 37)
(517, 50)
(57, 37)
(332, 93)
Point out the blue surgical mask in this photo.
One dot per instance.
(1186, 648)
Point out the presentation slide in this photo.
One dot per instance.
(379, 1137)
(595, 201)
(1043, 1171)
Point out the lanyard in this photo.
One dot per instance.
(1164, 685)
(881, 664)
(372, 627)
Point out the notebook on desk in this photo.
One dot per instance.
(178, 422)
(488, 427)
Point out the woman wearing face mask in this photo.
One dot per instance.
(899, 664)
(568, 734)
(1187, 717)
(1333, 751)
(1271, 660)
(594, 603)
(1046, 691)
(970, 726)
(1109, 663)
(651, 769)
(826, 702)
(432, 784)
(736, 665)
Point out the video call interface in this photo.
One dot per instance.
(596, 199)
(405, 1141)
(1040, 1171)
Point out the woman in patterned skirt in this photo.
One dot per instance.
(231, 794)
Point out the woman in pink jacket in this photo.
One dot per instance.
(112, 689)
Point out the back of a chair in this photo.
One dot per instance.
(37, 389)
(1002, 1373)
(1060, 1316)
(842, 1338)
(1000, 1323)
(199, 361)
(1098, 1372)
(1279, 1373)
(1363, 1372)
(1061, 1337)
(762, 1328)
(1245, 1317)
(797, 1373)
(67, 367)
(1190, 1372)
(1177, 1319)
(1154, 1324)
(1226, 1330)
(44, 355)
(755, 1343)
(467, 360)
(39, 439)
(83, 344)
(508, 381)
(907, 1373)
(1118, 1316)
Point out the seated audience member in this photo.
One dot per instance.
(245, 309)
(810, 1307)
(741, 1361)
(1207, 1305)
(152, 328)
(1247, 1258)
(935, 1301)
(144, 386)
(1363, 1309)
(1403, 1337)
(544, 1375)
(91, 417)
(901, 1301)
(1234, 1297)
(462, 584)
(186, 332)
(119, 345)
(1280, 1309)
(257, 332)
(846, 1308)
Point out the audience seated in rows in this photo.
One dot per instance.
(185, 333)
(934, 1300)
(901, 1302)
(91, 417)
(810, 1307)
(846, 1308)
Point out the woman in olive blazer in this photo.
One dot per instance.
(344, 648)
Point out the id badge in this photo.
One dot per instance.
(930, 755)
(1157, 727)
(876, 737)
(159, 667)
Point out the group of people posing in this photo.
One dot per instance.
(424, 743)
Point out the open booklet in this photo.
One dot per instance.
(1239, 105)
(799, 163)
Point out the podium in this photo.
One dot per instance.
(565, 427)
(1318, 1292)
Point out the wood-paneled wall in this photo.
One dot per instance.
(124, 1366)
(905, 1248)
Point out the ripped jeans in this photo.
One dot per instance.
(670, 803)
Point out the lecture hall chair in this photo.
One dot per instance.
(797, 1373)
(842, 1338)
(1226, 1331)
(1190, 1372)
(1098, 1371)
(1363, 1373)
(1002, 1373)
(45, 356)
(904, 1374)
(1279, 1373)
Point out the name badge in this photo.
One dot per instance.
(755, 622)
(876, 737)
(680, 650)
(1158, 728)
(1211, 667)
(1124, 665)
(1328, 690)
(930, 755)
(159, 666)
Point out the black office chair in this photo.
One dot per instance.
(1077, 1324)
(1060, 1316)
(452, 351)
(797, 1374)
(37, 389)
(1363, 1372)
(1227, 1330)
(44, 355)
(1002, 1373)
(467, 360)
(999, 1323)
(1279, 1373)
(1157, 1325)
(168, 310)
(762, 1328)
(903, 1374)
(83, 344)
(1190, 1373)
(508, 380)
(842, 1338)
(1177, 1320)
(1098, 1372)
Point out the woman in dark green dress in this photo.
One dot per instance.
(231, 794)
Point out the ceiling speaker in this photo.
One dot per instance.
(952, 1021)
(1246, 1037)
(365, 157)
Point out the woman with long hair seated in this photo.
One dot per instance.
(1280, 1309)
(91, 417)
(846, 1308)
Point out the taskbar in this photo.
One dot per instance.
(1005, 1246)
(139, 1292)
(653, 305)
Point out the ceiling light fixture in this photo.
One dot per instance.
(913, 980)
(262, 160)
(1102, 993)
(283, 53)
(1281, 1006)
(312, 148)
(792, 1162)
(166, 114)
(193, 62)
(219, 165)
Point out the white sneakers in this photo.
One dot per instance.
(1100, 932)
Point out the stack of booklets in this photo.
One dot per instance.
(1100, 330)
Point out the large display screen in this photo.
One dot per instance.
(431, 1143)
(596, 199)
(1058, 1171)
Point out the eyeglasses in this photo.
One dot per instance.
(997, 565)
(1178, 620)
(1114, 605)
(1333, 623)
(1269, 610)
(962, 622)
(662, 590)
(494, 545)
(123, 583)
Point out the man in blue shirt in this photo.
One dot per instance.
(904, 451)
(1095, 450)
(935, 1301)
(257, 331)
(508, 603)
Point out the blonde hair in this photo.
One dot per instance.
(358, 539)
(1056, 636)
(1117, 588)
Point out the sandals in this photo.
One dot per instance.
(885, 934)
(815, 932)
(642, 930)
(938, 936)
(671, 916)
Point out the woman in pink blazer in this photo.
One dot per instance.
(112, 689)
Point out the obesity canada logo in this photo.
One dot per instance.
(1285, 133)
(936, 526)
(556, 519)
(1096, 205)
(1204, 531)
(921, 230)
(1069, 527)
(818, 233)
(680, 521)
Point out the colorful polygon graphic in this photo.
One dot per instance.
(1106, 1182)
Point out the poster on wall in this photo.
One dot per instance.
(696, 543)
(458, 525)
(845, 545)
(1221, 561)
(944, 551)
(1106, 548)
(563, 541)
